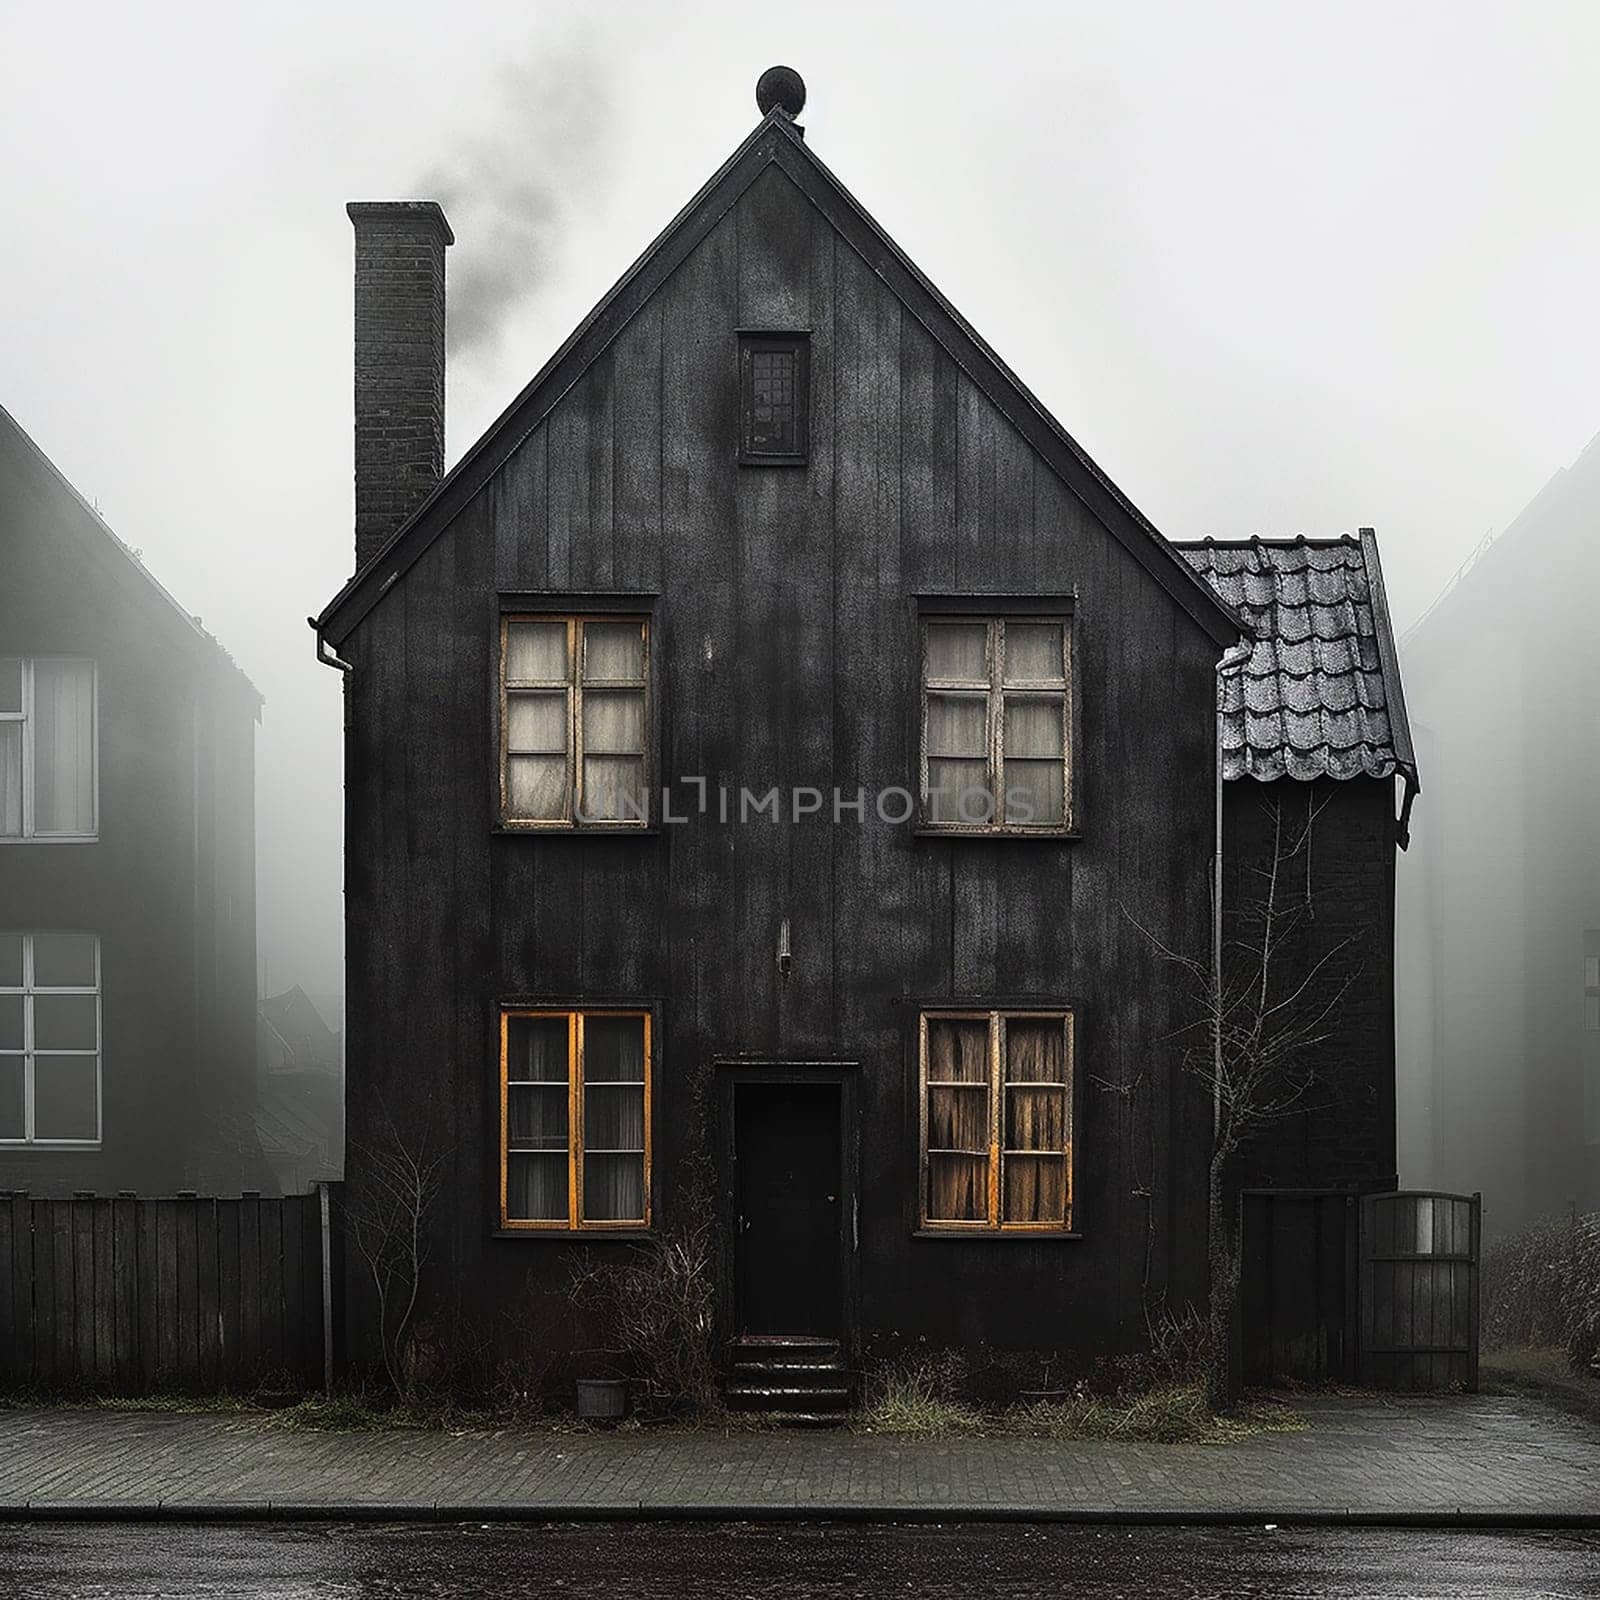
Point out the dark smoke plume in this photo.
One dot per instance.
(510, 188)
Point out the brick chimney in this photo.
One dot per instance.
(400, 247)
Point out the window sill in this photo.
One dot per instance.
(593, 830)
(999, 1235)
(50, 1146)
(1042, 835)
(751, 460)
(573, 1235)
(52, 838)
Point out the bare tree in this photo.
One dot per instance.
(1259, 1011)
(397, 1181)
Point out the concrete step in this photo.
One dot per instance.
(773, 1397)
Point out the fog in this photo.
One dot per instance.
(1278, 270)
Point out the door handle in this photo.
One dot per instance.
(832, 1199)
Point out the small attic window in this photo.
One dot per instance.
(774, 398)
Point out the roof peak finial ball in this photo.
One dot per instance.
(781, 86)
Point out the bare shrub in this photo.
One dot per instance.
(658, 1310)
(1541, 1288)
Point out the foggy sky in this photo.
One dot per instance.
(1278, 268)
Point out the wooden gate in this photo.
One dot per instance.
(1419, 1290)
(1297, 1289)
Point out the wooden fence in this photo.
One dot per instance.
(1378, 1289)
(1297, 1288)
(137, 1295)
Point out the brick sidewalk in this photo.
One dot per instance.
(1486, 1457)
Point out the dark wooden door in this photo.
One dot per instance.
(789, 1219)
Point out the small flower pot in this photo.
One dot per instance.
(602, 1399)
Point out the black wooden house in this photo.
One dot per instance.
(127, 864)
(775, 753)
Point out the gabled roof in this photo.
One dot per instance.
(1320, 693)
(777, 141)
(80, 519)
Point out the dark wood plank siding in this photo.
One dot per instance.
(785, 650)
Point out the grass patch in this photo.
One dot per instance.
(910, 1404)
(1175, 1415)
(1542, 1374)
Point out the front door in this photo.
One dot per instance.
(789, 1247)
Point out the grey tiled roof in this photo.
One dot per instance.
(1320, 694)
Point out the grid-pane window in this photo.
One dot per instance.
(575, 1139)
(997, 1103)
(574, 721)
(49, 1038)
(774, 394)
(47, 748)
(996, 724)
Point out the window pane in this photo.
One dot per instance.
(536, 723)
(1033, 652)
(613, 1117)
(958, 1118)
(958, 1050)
(12, 1125)
(64, 1097)
(65, 1022)
(1033, 725)
(1035, 1189)
(958, 1188)
(10, 683)
(1035, 792)
(958, 725)
(536, 652)
(536, 1049)
(536, 788)
(1036, 1050)
(613, 722)
(63, 960)
(1591, 1012)
(1591, 972)
(10, 779)
(613, 789)
(10, 960)
(63, 746)
(613, 651)
(536, 1116)
(613, 1049)
(536, 1187)
(613, 1188)
(959, 651)
(1036, 1119)
(11, 1021)
(958, 791)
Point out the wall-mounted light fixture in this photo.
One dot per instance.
(785, 960)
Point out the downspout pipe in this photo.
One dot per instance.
(1231, 663)
(326, 654)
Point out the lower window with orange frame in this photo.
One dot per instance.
(996, 1091)
(575, 1119)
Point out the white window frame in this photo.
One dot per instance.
(28, 990)
(27, 719)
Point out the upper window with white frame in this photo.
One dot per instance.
(996, 724)
(574, 721)
(49, 1039)
(47, 748)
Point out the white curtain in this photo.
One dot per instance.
(613, 652)
(63, 746)
(613, 1119)
(1035, 728)
(536, 753)
(958, 651)
(613, 747)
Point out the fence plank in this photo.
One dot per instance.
(166, 1283)
(249, 1291)
(105, 1304)
(20, 1210)
(208, 1340)
(186, 1221)
(125, 1291)
(232, 1367)
(274, 1355)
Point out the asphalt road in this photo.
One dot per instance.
(706, 1561)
